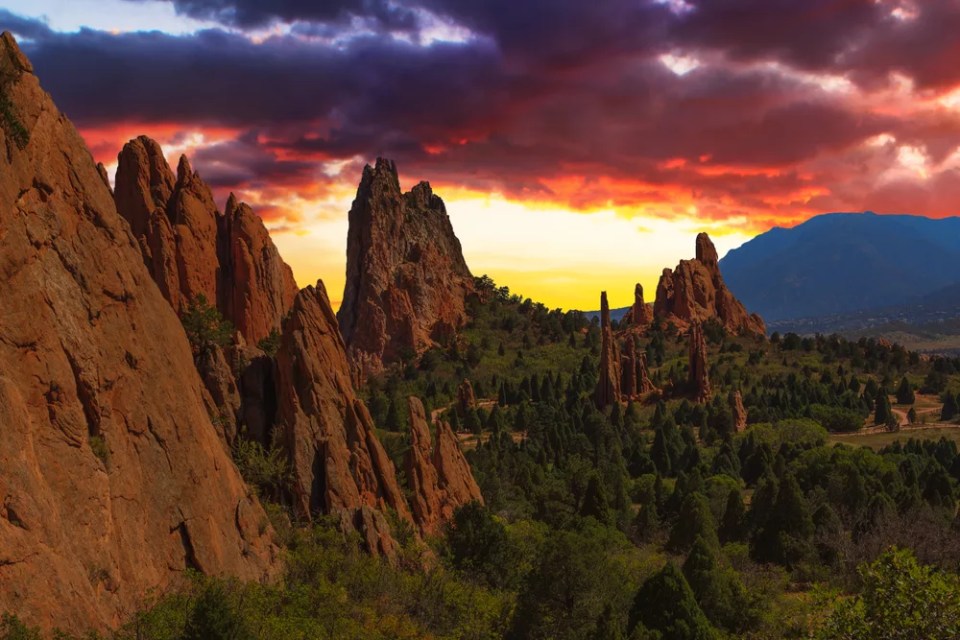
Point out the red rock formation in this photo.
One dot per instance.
(628, 367)
(639, 314)
(173, 220)
(257, 388)
(222, 397)
(466, 399)
(112, 478)
(257, 286)
(644, 384)
(695, 292)
(608, 384)
(439, 482)
(191, 249)
(102, 170)
(407, 281)
(738, 411)
(636, 378)
(699, 375)
(339, 465)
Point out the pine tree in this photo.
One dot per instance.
(666, 604)
(905, 392)
(647, 523)
(882, 405)
(595, 501)
(731, 527)
(396, 419)
(949, 411)
(718, 590)
(695, 520)
(787, 535)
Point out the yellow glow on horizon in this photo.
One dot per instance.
(552, 255)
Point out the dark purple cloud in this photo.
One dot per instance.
(261, 13)
(508, 95)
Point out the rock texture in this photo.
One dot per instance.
(738, 411)
(407, 281)
(466, 399)
(440, 481)
(112, 479)
(339, 465)
(173, 219)
(695, 292)
(257, 286)
(699, 379)
(191, 248)
(636, 378)
(608, 383)
(639, 314)
(223, 396)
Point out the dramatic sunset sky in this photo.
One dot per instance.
(579, 144)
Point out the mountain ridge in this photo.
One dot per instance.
(885, 259)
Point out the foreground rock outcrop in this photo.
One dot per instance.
(192, 249)
(608, 382)
(338, 464)
(407, 281)
(695, 292)
(440, 479)
(112, 478)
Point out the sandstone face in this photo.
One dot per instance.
(695, 292)
(608, 384)
(466, 399)
(738, 411)
(257, 388)
(173, 220)
(699, 375)
(223, 397)
(339, 465)
(636, 378)
(407, 281)
(112, 478)
(257, 285)
(639, 314)
(440, 481)
(191, 248)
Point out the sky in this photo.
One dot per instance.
(579, 146)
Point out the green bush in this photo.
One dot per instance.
(901, 599)
(99, 447)
(271, 344)
(205, 326)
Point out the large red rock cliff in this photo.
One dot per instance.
(440, 479)
(191, 248)
(407, 281)
(112, 478)
(339, 465)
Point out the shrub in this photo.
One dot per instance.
(271, 344)
(900, 599)
(99, 447)
(205, 326)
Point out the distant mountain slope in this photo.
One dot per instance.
(842, 262)
(930, 323)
